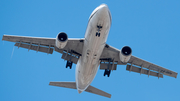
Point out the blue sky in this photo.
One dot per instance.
(150, 27)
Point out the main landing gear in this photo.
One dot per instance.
(69, 64)
(71, 56)
(107, 72)
(98, 31)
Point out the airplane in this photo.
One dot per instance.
(89, 53)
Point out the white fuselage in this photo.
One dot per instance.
(88, 63)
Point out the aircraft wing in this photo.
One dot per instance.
(135, 64)
(72, 50)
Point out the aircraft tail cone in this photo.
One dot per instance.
(79, 91)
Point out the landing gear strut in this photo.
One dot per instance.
(69, 62)
(108, 71)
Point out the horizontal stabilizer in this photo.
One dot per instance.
(94, 90)
(72, 85)
(64, 84)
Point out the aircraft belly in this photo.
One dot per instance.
(86, 74)
(88, 63)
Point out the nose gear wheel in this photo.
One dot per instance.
(98, 30)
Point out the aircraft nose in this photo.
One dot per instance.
(103, 6)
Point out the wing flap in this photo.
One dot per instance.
(142, 63)
(34, 47)
(74, 58)
(143, 71)
(105, 66)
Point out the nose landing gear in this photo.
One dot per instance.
(98, 34)
(98, 30)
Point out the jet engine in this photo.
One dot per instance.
(125, 54)
(61, 40)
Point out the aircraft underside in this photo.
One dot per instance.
(90, 52)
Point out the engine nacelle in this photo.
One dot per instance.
(61, 40)
(125, 54)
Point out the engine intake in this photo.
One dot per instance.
(125, 54)
(61, 40)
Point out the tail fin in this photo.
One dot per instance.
(72, 85)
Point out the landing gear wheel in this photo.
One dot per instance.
(107, 72)
(69, 64)
(98, 34)
(99, 27)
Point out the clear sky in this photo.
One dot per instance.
(150, 27)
